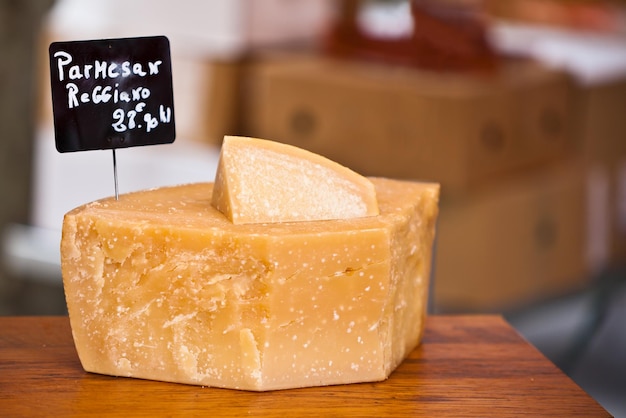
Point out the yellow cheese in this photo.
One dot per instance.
(161, 285)
(266, 181)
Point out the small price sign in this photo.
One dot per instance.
(112, 93)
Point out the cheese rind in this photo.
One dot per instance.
(160, 285)
(261, 181)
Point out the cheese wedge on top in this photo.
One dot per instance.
(161, 285)
(261, 181)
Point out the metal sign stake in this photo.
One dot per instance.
(117, 194)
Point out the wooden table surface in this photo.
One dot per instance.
(467, 366)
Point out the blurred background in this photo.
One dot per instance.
(518, 109)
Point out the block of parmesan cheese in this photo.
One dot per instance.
(265, 181)
(161, 285)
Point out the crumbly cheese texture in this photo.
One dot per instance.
(265, 181)
(161, 285)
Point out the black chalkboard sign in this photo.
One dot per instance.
(112, 93)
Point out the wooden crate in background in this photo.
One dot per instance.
(522, 241)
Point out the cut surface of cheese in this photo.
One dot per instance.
(261, 181)
(161, 285)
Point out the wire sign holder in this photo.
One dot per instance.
(112, 93)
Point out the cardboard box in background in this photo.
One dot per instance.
(522, 241)
(460, 130)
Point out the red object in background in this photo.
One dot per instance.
(603, 16)
(445, 37)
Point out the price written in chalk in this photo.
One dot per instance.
(124, 121)
(112, 93)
